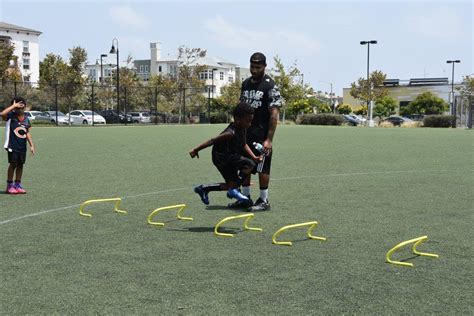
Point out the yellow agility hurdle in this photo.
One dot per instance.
(416, 242)
(247, 217)
(116, 200)
(178, 215)
(312, 225)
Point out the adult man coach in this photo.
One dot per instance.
(263, 95)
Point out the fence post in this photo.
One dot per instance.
(469, 114)
(125, 104)
(156, 105)
(93, 101)
(184, 105)
(14, 84)
(56, 101)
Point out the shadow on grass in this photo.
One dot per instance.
(206, 230)
(225, 208)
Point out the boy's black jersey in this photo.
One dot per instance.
(15, 132)
(261, 96)
(235, 145)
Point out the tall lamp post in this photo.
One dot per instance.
(116, 51)
(330, 96)
(102, 69)
(369, 103)
(453, 106)
(209, 95)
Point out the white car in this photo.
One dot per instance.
(52, 117)
(84, 117)
(33, 114)
(140, 117)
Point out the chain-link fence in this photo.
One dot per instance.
(128, 104)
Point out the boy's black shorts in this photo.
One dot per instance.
(16, 157)
(230, 165)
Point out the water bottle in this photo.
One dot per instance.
(258, 146)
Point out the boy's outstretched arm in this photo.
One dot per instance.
(30, 141)
(15, 105)
(220, 138)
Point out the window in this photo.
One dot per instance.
(221, 75)
(204, 75)
(141, 68)
(231, 79)
(146, 68)
(404, 104)
(159, 69)
(26, 46)
(26, 63)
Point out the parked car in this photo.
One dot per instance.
(397, 120)
(36, 116)
(360, 118)
(350, 120)
(51, 115)
(140, 117)
(84, 117)
(111, 116)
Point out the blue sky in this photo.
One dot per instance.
(415, 38)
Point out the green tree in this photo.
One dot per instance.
(167, 93)
(298, 107)
(344, 109)
(360, 110)
(9, 69)
(426, 103)
(189, 82)
(230, 96)
(385, 106)
(360, 89)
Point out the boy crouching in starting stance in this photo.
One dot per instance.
(228, 150)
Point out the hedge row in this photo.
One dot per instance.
(438, 121)
(320, 119)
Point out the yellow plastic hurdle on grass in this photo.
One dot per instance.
(178, 215)
(116, 200)
(416, 242)
(312, 225)
(247, 217)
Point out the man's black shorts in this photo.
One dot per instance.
(230, 165)
(17, 157)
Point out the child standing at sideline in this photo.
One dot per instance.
(17, 134)
(228, 149)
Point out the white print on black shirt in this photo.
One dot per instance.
(253, 97)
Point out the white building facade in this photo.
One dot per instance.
(26, 43)
(218, 74)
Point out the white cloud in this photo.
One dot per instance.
(126, 16)
(234, 36)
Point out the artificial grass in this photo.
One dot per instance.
(368, 188)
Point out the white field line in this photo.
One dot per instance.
(278, 179)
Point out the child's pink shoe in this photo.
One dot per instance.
(11, 189)
(19, 189)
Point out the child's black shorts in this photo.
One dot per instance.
(230, 165)
(17, 157)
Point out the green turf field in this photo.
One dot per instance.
(368, 188)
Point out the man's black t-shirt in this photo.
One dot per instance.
(233, 146)
(261, 96)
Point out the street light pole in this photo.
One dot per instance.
(101, 68)
(453, 106)
(116, 51)
(369, 103)
(330, 96)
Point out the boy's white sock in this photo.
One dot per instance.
(264, 195)
(246, 191)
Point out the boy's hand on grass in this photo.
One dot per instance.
(193, 153)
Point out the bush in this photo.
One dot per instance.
(385, 124)
(413, 124)
(320, 119)
(217, 118)
(344, 109)
(438, 120)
